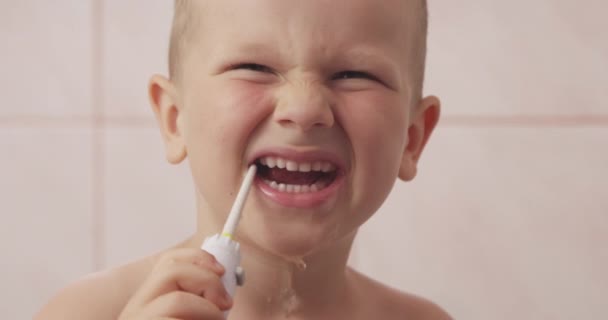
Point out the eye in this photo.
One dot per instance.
(253, 67)
(344, 75)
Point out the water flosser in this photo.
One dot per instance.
(223, 247)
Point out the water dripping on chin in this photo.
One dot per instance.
(298, 263)
(288, 296)
(290, 302)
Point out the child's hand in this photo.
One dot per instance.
(184, 284)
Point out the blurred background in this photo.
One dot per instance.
(508, 218)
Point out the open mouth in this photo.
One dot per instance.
(296, 177)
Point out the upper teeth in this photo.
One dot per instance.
(290, 165)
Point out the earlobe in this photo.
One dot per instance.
(164, 102)
(422, 124)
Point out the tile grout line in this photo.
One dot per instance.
(97, 162)
(457, 121)
(532, 121)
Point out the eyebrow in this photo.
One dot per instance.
(364, 56)
(374, 59)
(356, 54)
(246, 48)
(255, 48)
(251, 50)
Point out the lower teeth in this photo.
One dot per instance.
(290, 188)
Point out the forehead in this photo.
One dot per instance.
(292, 24)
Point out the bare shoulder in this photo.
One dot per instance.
(100, 295)
(390, 303)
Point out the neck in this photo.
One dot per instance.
(308, 287)
(314, 286)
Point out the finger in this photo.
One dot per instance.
(181, 276)
(195, 256)
(184, 306)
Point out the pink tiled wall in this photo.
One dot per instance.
(508, 218)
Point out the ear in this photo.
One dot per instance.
(423, 121)
(163, 98)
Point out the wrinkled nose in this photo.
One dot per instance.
(304, 106)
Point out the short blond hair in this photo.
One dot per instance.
(185, 22)
(418, 49)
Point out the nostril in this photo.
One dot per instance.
(286, 122)
(307, 124)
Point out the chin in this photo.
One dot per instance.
(289, 243)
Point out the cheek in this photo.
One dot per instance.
(376, 127)
(219, 122)
(227, 113)
(376, 124)
(247, 105)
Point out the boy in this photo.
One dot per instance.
(324, 96)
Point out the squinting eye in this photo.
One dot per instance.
(253, 67)
(352, 75)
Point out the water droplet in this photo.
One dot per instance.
(291, 302)
(301, 264)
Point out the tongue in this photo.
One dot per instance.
(290, 177)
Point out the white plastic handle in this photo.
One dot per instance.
(226, 252)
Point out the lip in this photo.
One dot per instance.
(301, 200)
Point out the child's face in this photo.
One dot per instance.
(305, 81)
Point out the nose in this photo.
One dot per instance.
(304, 106)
